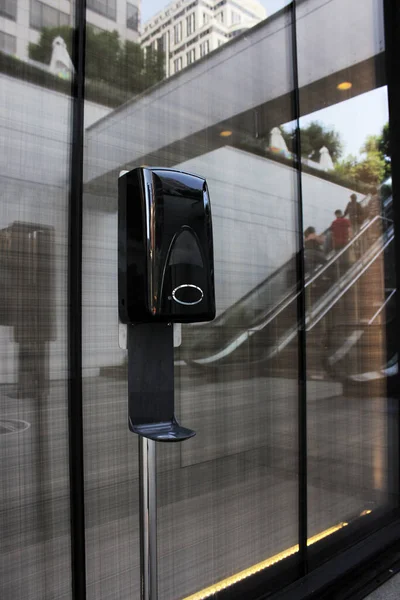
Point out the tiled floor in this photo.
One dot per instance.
(388, 591)
(235, 486)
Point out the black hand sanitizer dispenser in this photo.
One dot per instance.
(166, 271)
(165, 276)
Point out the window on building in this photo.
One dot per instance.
(8, 8)
(42, 15)
(204, 48)
(108, 8)
(206, 18)
(132, 16)
(178, 32)
(160, 44)
(8, 43)
(178, 64)
(220, 17)
(235, 17)
(190, 24)
(191, 56)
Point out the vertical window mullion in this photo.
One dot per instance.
(301, 316)
(75, 408)
(392, 32)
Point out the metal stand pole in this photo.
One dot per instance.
(148, 518)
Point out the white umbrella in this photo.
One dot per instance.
(276, 140)
(60, 63)
(325, 160)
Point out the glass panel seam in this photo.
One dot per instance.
(75, 410)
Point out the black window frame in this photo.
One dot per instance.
(4, 12)
(5, 35)
(132, 21)
(34, 25)
(96, 7)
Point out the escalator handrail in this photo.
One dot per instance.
(380, 309)
(353, 278)
(256, 289)
(292, 332)
(280, 269)
(292, 294)
(288, 298)
(341, 252)
(271, 315)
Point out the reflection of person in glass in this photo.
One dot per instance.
(355, 213)
(314, 258)
(340, 231)
(340, 235)
(313, 252)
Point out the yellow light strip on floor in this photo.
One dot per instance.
(221, 585)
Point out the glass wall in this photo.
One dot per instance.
(282, 107)
(35, 130)
(232, 500)
(349, 267)
(228, 499)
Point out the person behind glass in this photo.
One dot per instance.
(313, 252)
(312, 241)
(340, 235)
(314, 258)
(355, 213)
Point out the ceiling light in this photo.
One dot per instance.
(344, 85)
(226, 133)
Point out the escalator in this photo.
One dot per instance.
(262, 327)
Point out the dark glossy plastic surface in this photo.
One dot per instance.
(151, 402)
(169, 431)
(165, 270)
